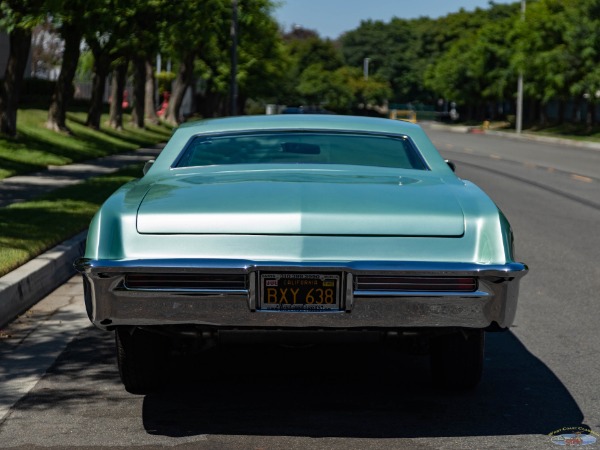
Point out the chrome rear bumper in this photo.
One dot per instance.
(111, 302)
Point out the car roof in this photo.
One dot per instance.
(313, 122)
(303, 121)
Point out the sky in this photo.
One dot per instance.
(333, 17)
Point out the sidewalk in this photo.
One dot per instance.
(25, 286)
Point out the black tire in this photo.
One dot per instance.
(142, 358)
(457, 359)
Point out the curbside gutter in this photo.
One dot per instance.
(27, 285)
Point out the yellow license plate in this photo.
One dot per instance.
(299, 291)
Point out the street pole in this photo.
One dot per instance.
(519, 118)
(234, 42)
(366, 67)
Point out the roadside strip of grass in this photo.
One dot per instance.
(37, 147)
(30, 228)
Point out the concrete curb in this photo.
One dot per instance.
(27, 285)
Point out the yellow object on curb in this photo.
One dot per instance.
(407, 115)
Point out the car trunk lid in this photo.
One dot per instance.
(301, 203)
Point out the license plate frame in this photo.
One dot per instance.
(301, 292)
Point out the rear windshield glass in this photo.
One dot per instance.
(302, 147)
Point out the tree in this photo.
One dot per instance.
(305, 51)
(70, 17)
(18, 17)
(543, 55)
(119, 75)
(582, 38)
(142, 44)
(262, 61)
(394, 51)
(189, 30)
(476, 69)
(139, 90)
(117, 34)
(101, 46)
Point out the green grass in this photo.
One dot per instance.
(28, 229)
(36, 147)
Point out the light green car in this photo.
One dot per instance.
(302, 228)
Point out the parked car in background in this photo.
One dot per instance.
(305, 227)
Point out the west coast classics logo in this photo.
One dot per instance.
(574, 436)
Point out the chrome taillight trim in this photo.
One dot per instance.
(199, 283)
(412, 284)
(474, 294)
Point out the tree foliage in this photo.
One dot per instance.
(472, 58)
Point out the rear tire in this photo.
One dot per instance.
(457, 359)
(142, 358)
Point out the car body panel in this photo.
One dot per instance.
(307, 201)
(352, 221)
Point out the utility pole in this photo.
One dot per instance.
(519, 118)
(234, 41)
(366, 67)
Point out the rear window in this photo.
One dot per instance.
(302, 147)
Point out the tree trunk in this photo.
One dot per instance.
(101, 65)
(10, 89)
(63, 91)
(576, 113)
(149, 102)
(534, 106)
(561, 111)
(543, 116)
(115, 117)
(184, 79)
(590, 117)
(241, 104)
(139, 91)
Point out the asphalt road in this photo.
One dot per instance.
(540, 377)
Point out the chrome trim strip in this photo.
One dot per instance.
(191, 291)
(475, 294)
(417, 152)
(252, 292)
(397, 268)
(349, 292)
